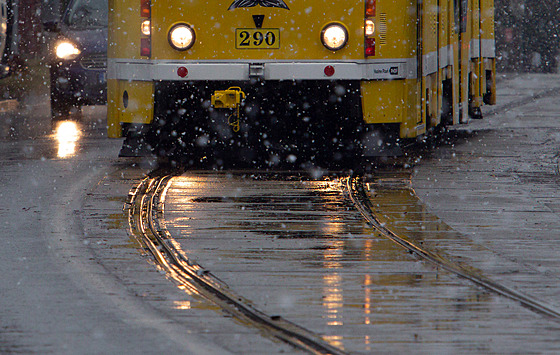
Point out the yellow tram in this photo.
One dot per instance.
(282, 67)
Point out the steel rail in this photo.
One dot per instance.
(144, 207)
(355, 190)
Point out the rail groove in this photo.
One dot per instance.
(144, 207)
(355, 189)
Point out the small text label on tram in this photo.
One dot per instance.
(388, 71)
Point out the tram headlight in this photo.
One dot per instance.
(181, 37)
(334, 36)
(66, 50)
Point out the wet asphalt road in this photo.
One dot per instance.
(74, 281)
(59, 294)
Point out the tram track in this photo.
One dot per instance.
(356, 191)
(145, 206)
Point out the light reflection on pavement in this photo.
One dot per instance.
(298, 249)
(67, 134)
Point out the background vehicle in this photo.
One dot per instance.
(317, 78)
(79, 58)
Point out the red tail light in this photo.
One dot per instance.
(145, 47)
(370, 47)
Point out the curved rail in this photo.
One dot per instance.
(355, 189)
(144, 208)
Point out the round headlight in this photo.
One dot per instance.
(334, 36)
(181, 37)
(66, 50)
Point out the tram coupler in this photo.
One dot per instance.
(230, 99)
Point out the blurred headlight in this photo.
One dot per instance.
(181, 37)
(334, 36)
(66, 50)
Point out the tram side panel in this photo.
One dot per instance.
(449, 62)
(482, 76)
(488, 51)
(443, 54)
(130, 91)
(394, 98)
(475, 99)
(433, 47)
(452, 64)
(455, 60)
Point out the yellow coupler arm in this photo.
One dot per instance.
(230, 98)
(128, 102)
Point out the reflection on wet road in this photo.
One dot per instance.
(67, 134)
(300, 250)
(32, 135)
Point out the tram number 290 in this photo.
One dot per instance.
(262, 38)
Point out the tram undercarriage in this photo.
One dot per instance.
(295, 123)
